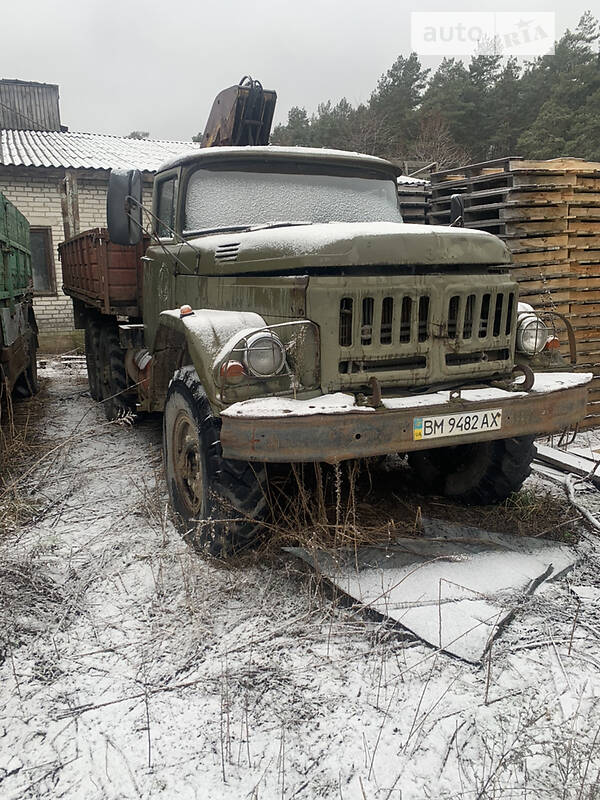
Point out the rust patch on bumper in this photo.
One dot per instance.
(336, 437)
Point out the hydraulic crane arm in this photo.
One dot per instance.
(241, 115)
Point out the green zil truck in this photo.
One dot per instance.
(18, 328)
(284, 312)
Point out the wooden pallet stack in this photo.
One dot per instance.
(414, 195)
(548, 214)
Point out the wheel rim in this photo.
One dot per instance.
(187, 463)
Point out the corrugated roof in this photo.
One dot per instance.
(86, 150)
(407, 180)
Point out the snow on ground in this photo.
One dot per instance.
(152, 673)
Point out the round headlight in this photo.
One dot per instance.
(532, 335)
(265, 355)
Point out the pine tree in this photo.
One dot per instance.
(491, 108)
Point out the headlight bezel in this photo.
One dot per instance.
(301, 371)
(526, 322)
(275, 346)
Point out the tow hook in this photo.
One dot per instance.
(526, 385)
(511, 385)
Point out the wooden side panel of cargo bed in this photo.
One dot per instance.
(121, 274)
(81, 267)
(102, 273)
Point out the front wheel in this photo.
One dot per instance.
(219, 503)
(481, 473)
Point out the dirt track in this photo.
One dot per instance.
(135, 669)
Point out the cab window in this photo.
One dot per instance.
(165, 207)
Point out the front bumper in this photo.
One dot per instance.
(333, 428)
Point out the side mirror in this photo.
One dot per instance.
(457, 211)
(124, 207)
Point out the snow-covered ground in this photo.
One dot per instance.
(142, 671)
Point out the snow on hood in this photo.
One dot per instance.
(361, 243)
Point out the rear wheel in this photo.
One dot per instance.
(219, 503)
(481, 473)
(113, 377)
(27, 382)
(92, 356)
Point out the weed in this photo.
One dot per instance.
(20, 447)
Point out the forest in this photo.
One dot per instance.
(493, 107)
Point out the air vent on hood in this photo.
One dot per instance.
(227, 252)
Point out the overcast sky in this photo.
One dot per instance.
(124, 65)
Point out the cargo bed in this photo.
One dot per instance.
(103, 274)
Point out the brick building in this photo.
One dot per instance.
(58, 180)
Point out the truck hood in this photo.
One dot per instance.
(345, 245)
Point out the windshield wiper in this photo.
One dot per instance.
(280, 224)
(239, 228)
(223, 229)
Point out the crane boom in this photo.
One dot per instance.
(241, 115)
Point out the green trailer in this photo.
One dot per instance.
(18, 328)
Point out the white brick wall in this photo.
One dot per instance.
(37, 194)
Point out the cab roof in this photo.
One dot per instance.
(272, 152)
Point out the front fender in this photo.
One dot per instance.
(206, 332)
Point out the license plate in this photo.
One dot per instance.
(457, 424)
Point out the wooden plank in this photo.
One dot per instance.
(583, 226)
(536, 243)
(541, 257)
(547, 299)
(563, 163)
(584, 323)
(591, 335)
(544, 305)
(584, 212)
(525, 177)
(588, 182)
(579, 241)
(535, 272)
(487, 167)
(529, 213)
(588, 349)
(585, 258)
(584, 271)
(584, 309)
(544, 284)
(567, 462)
(535, 228)
(585, 296)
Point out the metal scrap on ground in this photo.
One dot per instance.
(454, 587)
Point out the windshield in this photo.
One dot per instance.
(224, 198)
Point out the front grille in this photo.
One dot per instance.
(384, 365)
(420, 332)
(477, 357)
(384, 321)
(346, 315)
(468, 316)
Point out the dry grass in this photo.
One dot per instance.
(28, 599)
(356, 504)
(21, 446)
(330, 507)
(528, 512)
(29, 602)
